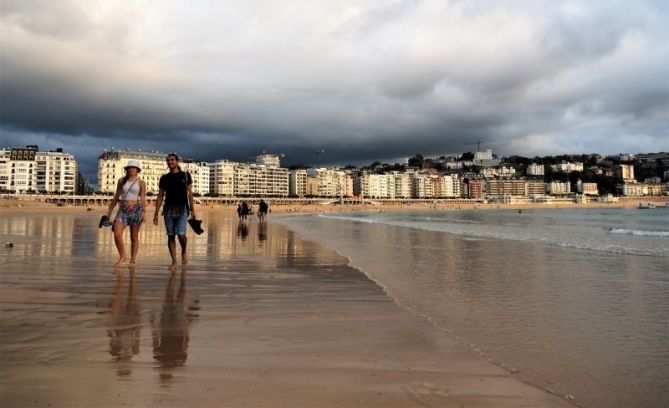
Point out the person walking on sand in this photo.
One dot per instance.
(262, 211)
(131, 197)
(175, 189)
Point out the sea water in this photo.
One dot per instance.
(575, 301)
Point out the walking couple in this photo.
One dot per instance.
(175, 191)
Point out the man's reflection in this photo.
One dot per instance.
(242, 230)
(262, 231)
(171, 334)
(125, 320)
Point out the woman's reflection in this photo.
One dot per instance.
(125, 321)
(171, 334)
(242, 230)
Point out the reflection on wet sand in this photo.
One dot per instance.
(170, 333)
(284, 315)
(125, 321)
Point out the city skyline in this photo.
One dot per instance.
(379, 81)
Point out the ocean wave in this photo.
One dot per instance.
(640, 232)
(513, 235)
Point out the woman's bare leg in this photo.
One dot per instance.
(134, 237)
(118, 239)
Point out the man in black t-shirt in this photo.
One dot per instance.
(176, 191)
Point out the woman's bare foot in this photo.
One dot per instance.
(184, 259)
(132, 262)
(120, 262)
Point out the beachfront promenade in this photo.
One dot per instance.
(98, 200)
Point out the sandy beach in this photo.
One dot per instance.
(259, 317)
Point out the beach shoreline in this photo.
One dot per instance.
(26, 205)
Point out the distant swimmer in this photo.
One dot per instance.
(131, 197)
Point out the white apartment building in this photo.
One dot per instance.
(568, 167)
(259, 180)
(451, 186)
(5, 170)
(298, 183)
(485, 159)
(424, 185)
(501, 171)
(403, 185)
(640, 189)
(586, 188)
(56, 172)
(25, 170)
(535, 169)
(624, 171)
(111, 168)
(221, 178)
(381, 186)
(330, 182)
(361, 185)
(269, 160)
(558, 187)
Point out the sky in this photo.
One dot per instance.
(359, 80)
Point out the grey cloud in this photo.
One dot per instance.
(388, 82)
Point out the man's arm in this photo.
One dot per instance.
(191, 202)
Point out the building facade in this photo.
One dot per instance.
(27, 170)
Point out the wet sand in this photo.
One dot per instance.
(259, 317)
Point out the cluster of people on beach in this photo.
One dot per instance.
(175, 196)
(244, 210)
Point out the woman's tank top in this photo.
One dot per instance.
(131, 190)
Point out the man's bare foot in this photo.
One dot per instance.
(184, 259)
(120, 262)
(132, 262)
(173, 266)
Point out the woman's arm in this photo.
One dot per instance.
(142, 198)
(114, 200)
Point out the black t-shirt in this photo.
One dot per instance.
(175, 186)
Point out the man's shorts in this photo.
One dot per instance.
(176, 225)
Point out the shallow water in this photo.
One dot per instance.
(574, 301)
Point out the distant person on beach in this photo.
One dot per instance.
(131, 197)
(239, 211)
(262, 211)
(176, 189)
(245, 210)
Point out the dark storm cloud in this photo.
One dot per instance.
(364, 82)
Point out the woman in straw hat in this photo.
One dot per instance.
(131, 196)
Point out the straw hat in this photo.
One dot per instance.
(133, 163)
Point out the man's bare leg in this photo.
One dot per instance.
(184, 242)
(172, 246)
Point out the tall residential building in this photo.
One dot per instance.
(536, 188)
(473, 188)
(535, 169)
(624, 171)
(259, 180)
(330, 182)
(502, 187)
(424, 185)
(56, 172)
(25, 170)
(298, 183)
(111, 168)
(361, 185)
(221, 178)
(586, 188)
(403, 185)
(558, 187)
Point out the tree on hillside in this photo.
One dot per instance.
(416, 161)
